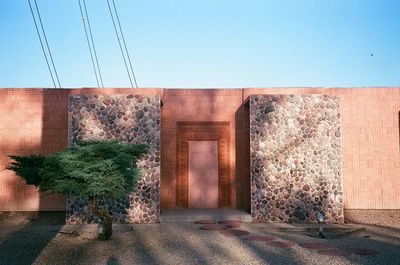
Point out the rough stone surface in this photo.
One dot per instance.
(130, 119)
(295, 145)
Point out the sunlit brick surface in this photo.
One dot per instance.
(36, 121)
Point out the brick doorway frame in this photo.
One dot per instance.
(203, 131)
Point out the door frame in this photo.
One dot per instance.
(203, 131)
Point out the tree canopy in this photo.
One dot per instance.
(93, 169)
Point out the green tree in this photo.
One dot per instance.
(90, 169)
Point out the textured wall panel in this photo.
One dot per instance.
(130, 119)
(36, 121)
(295, 143)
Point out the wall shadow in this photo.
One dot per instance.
(193, 105)
(26, 241)
(242, 142)
(45, 111)
(36, 123)
(54, 137)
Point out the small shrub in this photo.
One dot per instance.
(91, 169)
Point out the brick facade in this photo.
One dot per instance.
(203, 131)
(36, 121)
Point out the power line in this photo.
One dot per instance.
(41, 44)
(123, 39)
(97, 71)
(94, 47)
(47, 44)
(88, 43)
(119, 42)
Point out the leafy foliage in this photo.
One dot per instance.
(93, 169)
(27, 167)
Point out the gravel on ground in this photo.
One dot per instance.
(185, 243)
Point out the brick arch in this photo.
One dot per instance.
(203, 131)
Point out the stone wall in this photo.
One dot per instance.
(130, 119)
(36, 121)
(295, 146)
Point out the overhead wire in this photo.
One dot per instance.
(43, 46)
(94, 47)
(91, 44)
(123, 39)
(47, 44)
(124, 43)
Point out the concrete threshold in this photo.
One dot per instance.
(174, 215)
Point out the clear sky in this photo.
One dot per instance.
(208, 43)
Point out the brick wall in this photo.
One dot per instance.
(193, 105)
(35, 121)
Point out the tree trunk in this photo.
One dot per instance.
(105, 220)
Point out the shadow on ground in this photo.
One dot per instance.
(23, 243)
(185, 243)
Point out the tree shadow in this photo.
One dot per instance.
(112, 261)
(184, 244)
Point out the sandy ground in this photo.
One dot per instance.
(183, 243)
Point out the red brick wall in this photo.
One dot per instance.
(35, 121)
(192, 105)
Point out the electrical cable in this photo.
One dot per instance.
(47, 44)
(41, 44)
(120, 46)
(94, 47)
(123, 39)
(88, 43)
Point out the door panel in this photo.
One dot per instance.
(203, 174)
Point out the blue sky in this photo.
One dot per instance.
(208, 43)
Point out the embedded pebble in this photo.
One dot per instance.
(130, 119)
(295, 144)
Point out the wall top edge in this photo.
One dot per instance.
(168, 93)
(216, 88)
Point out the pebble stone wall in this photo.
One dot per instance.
(130, 119)
(295, 143)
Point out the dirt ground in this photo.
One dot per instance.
(185, 243)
